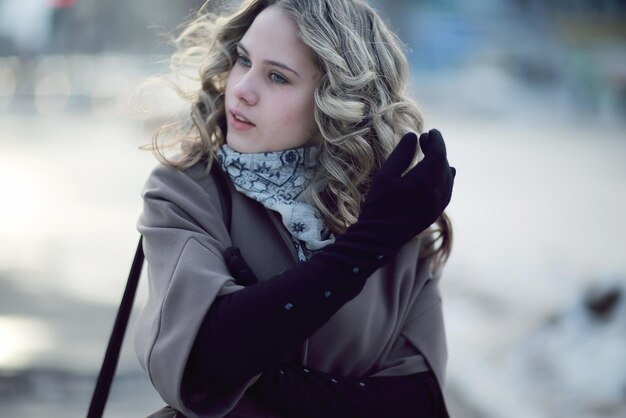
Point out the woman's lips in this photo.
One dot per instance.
(239, 121)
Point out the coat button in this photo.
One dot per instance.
(288, 306)
(355, 270)
(327, 294)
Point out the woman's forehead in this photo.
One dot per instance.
(273, 36)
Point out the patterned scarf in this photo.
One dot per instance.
(277, 180)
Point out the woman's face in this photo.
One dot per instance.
(270, 90)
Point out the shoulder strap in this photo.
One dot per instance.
(109, 365)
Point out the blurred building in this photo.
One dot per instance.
(574, 49)
(87, 26)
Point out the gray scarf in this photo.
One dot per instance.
(277, 180)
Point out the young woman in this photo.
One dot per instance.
(299, 277)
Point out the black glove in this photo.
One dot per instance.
(246, 331)
(303, 392)
(400, 205)
(396, 208)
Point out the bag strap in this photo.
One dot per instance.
(111, 357)
(103, 385)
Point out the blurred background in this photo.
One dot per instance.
(530, 96)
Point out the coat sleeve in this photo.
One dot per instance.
(424, 329)
(421, 342)
(184, 238)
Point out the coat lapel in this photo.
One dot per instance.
(261, 237)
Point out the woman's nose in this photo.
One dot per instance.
(245, 89)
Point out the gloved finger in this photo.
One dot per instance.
(451, 177)
(400, 157)
(432, 145)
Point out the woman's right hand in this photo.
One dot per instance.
(408, 203)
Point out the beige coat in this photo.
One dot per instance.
(393, 327)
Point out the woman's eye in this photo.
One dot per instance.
(241, 60)
(278, 78)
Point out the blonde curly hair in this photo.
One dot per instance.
(362, 108)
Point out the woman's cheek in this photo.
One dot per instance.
(290, 115)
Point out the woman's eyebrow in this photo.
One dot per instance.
(276, 63)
